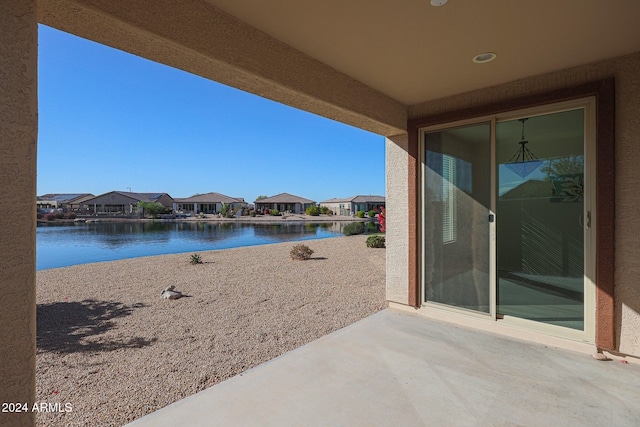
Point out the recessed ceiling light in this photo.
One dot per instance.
(437, 3)
(484, 57)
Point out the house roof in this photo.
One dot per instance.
(369, 199)
(117, 197)
(64, 197)
(210, 198)
(144, 197)
(285, 198)
(358, 199)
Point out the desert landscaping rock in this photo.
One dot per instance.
(111, 348)
(170, 293)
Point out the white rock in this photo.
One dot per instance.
(171, 295)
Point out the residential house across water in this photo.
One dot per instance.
(351, 205)
(209, 203)
(65, 202)
(124, 203)
(285, 202)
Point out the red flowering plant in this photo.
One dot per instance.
(382, 219)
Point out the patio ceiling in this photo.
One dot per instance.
(414, 52)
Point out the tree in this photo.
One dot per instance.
(224, 210)
(564, 166)
(153, 209)
(260, 197)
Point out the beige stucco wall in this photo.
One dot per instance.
(397, 234)
(626, 71)
(335, 207)
(18, 133)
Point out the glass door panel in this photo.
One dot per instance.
(540, 218)
(457, 197)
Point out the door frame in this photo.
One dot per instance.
(604, 93)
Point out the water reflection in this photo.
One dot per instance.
(59, 246)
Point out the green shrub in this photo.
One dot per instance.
(71, 215)
(275, 212)
(252, 213)
(313, 211)
(360, 214)
(153, 209)
(371, 214)
(196, 259)
(301, 252)
(376, 241)
(59, 215)
(353, 228)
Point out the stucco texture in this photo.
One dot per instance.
(626, 72)
(18, 132)
(397, 234)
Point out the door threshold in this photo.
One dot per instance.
(490, 325)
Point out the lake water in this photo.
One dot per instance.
(61, 246)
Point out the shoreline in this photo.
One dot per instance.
(303, 219)
(112, 348)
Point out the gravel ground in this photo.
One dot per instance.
(112, 349)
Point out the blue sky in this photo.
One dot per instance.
(109, 120)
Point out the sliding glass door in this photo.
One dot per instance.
(541, 218)
(508, 217)
(457, 197)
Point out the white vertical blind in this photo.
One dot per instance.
(448, 199)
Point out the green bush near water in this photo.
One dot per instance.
(313, 211)
(153, 209)
(360, 214)
(353, 228)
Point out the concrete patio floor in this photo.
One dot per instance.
(398, 369)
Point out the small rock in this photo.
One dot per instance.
(169, 293)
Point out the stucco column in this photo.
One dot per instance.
(397, 219)
(18, 133)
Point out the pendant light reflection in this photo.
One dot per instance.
(524, 162)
